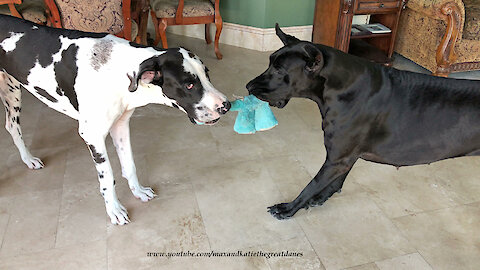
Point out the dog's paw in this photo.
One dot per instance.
(117, 213)
(33, 162)
(143, 193)
(281, 211)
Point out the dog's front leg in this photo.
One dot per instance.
(95, 141)
(328, 180)
(120, 133)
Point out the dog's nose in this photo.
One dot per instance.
(225, 107)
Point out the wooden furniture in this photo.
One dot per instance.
(115, 17)
(32, 10)
(333, 22)
(186, 12)
(442, 36)
(11, 6)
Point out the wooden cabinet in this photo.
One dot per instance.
(333, 23)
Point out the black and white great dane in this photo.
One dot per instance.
(99, 79)
(369, 111)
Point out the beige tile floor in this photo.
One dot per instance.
(214, 187)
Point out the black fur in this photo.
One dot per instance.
(369, 111)
(35, 45)
(173, 79)
(65, 74)
(97, 157)
(45, 94)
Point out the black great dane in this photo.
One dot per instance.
(369, 111)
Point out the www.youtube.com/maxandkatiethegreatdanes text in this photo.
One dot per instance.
(214, 254)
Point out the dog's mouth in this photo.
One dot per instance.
(209, 123)
(278, 104)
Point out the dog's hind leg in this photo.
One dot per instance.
(120, 133)
(329, 180)
(11, 94)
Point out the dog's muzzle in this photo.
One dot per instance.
(220, 110)
(226, 105)
(258, 93)
(278, 104)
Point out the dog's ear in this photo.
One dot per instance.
(133, 82)
(286, 39)
(149, 72)
(314, 56)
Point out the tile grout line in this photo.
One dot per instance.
(311, 245)
(423, 257)
(296, 222)
(433, 210)
(30, 253)
(61, 196)
(200, 211)
(5, 231)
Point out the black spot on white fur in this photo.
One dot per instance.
(42, 92)
(66, 73)
(97, 157)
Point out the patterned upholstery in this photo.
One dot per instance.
(92, 15)
(421, 29)
(471, 29)
(192, 8)
(411, 33)
(32, 10)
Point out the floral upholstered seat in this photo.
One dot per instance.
(102, 16)
(186, 12)
(192, 8)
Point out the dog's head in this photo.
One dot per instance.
(293, 70)
(178, 78)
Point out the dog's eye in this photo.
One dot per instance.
(189, 86)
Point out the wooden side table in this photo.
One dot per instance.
(333, 23)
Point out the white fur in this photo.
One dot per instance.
(9, 44)
(105, 106)
(212, 98)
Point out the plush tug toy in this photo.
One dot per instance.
(253, 115)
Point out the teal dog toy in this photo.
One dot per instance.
(253, 115)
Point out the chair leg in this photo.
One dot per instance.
(219, 25)
(207, 33)
(162, 27)
(155, 26)
(441, 73)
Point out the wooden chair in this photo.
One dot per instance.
(32, 10)
(114, 17)
(186, 12)
(11, 6)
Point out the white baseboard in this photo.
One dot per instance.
(260, 39)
